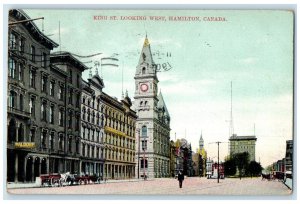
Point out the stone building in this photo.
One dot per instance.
(239, 144)
(153, 123)
(65, 142)
(119, 137)
(30, 126)
(289, 156)
(173, 156)
(92, 127)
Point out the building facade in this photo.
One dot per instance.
(153, 123)
(173, 156)
(119, 137)
(289, 156)
(29, 100)
(240, 144)
(92, 127)
(65, 145)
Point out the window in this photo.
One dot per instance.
(32, 135)
(144, 131)
(70, 120)
(83, 114)
(12, 68)
(43, 111)
(52, 88)
(61, 117)
(44, 60)
(77, 146)
(32, 106)
(144, 70)
(61, 93)
(70, 144)
(21, 102)
(83, 149)
(77, 123)
(32, 78)
(71, 96)
(21, 72)
(144, 145)
(12, 99)
(144, 161)
(60, 142)
(13, 41)
(21, 44)
(32, 52)
(51, 141)
(88, 116)
(43, 139)
(44, 84)
(51, 114)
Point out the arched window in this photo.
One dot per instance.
(21, 133)
(144, 70)
(144, 131)
(12, 131)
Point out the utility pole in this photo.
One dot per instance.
(138, 130)
(218, 142)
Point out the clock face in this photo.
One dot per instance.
(144, 87)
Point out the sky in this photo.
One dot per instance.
(251, 49)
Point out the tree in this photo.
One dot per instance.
(230, 167)
(254, 168)
(242, 161)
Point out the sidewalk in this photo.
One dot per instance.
(37, 184)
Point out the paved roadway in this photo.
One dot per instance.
(168, 186)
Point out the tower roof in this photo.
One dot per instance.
(161, 104)
(146, 58)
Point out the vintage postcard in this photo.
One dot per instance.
(150, 102)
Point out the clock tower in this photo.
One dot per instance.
(153, 117)
(146, 84)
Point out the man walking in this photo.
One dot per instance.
(180, 178)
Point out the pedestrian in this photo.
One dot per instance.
(180, 178)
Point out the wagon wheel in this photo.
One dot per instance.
(80, 182)
(62, 182)
(54, 182)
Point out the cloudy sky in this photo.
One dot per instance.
(251, 49)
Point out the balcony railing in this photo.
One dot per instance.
(17, 111)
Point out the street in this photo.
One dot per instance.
(168, 186)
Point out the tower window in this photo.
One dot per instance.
(144, 70)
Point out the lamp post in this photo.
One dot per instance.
(218, 158)
(138, 131)
(144, 161)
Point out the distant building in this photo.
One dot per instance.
(240, 144)
(173, 157)
(289, 156)
(209, 168)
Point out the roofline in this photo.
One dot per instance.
(69, 55)
(20, 11)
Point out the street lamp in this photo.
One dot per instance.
(218, 157)
(138, 131)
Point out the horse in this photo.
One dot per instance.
(265, 176)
